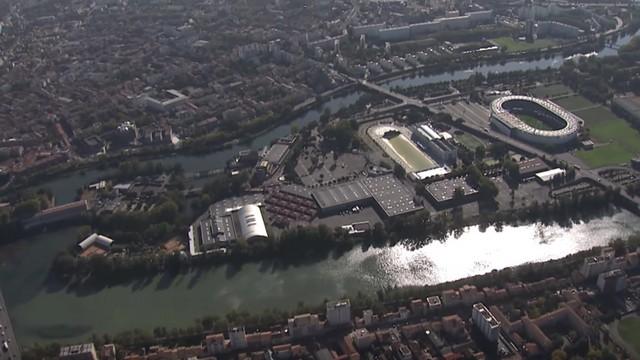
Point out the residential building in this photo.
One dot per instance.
(486, 322)
(238, 338)
(304, 325)
(339, 312)
(612, 281)
(78, 352)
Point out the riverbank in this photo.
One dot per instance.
(40, 304)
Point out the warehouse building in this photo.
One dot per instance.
(434, 143)
(441, 193)
(388, 194)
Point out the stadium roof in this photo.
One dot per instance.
(572, 121)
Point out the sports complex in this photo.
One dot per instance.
(534, 120)
(396, 142)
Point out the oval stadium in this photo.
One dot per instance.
(534, 120)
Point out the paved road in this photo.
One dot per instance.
(6, 335)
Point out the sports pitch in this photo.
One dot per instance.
(413, 158)
(616, 141)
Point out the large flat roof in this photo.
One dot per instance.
(393, 197)
(630, 104)
(341, 194)
(276, 153)
(443, 190)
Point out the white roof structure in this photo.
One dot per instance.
(571, 127)
(94, 238)
(549, 175)
(251, 222)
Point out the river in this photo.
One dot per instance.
(44, 312)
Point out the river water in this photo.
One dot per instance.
(44, 312)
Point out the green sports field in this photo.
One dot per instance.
(573, 103)
(616, 141)
(551, 91)
(534, 122)
(469, 141)
(629, 329)
(513, 45)
(410, 153)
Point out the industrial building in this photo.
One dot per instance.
(441, 193)
(95, 244)
(388, 194)
(530, 167)
(226, 222)
(504, 117)
(486, 322)
(251, 223)
(439, 147)
(549, 175)
(67, 212)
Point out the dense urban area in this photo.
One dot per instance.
(173, 137)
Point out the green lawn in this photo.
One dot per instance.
(551, 91)
(616, 141)
(574, 102)
(534, 122)
(512, 45)
(469, 141)
(629, 329)
(410, 153)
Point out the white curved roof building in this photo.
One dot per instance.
(503, 118)
(96, 239)
(251, 222)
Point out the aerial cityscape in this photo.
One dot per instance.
(319, 179)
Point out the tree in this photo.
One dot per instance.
(559, 354)
(399, 171)
(480, 152)
(26, 209)
(458, 194)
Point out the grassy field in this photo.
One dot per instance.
(629, 329)
(574, 102)
(469, 141)
(616, 141)
(410, 153)
(534, 122)
(551, 91)
(516, 45)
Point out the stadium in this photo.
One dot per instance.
(534, 120)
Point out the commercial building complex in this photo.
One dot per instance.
(504, 117)
(388, 194)
(435, 144)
